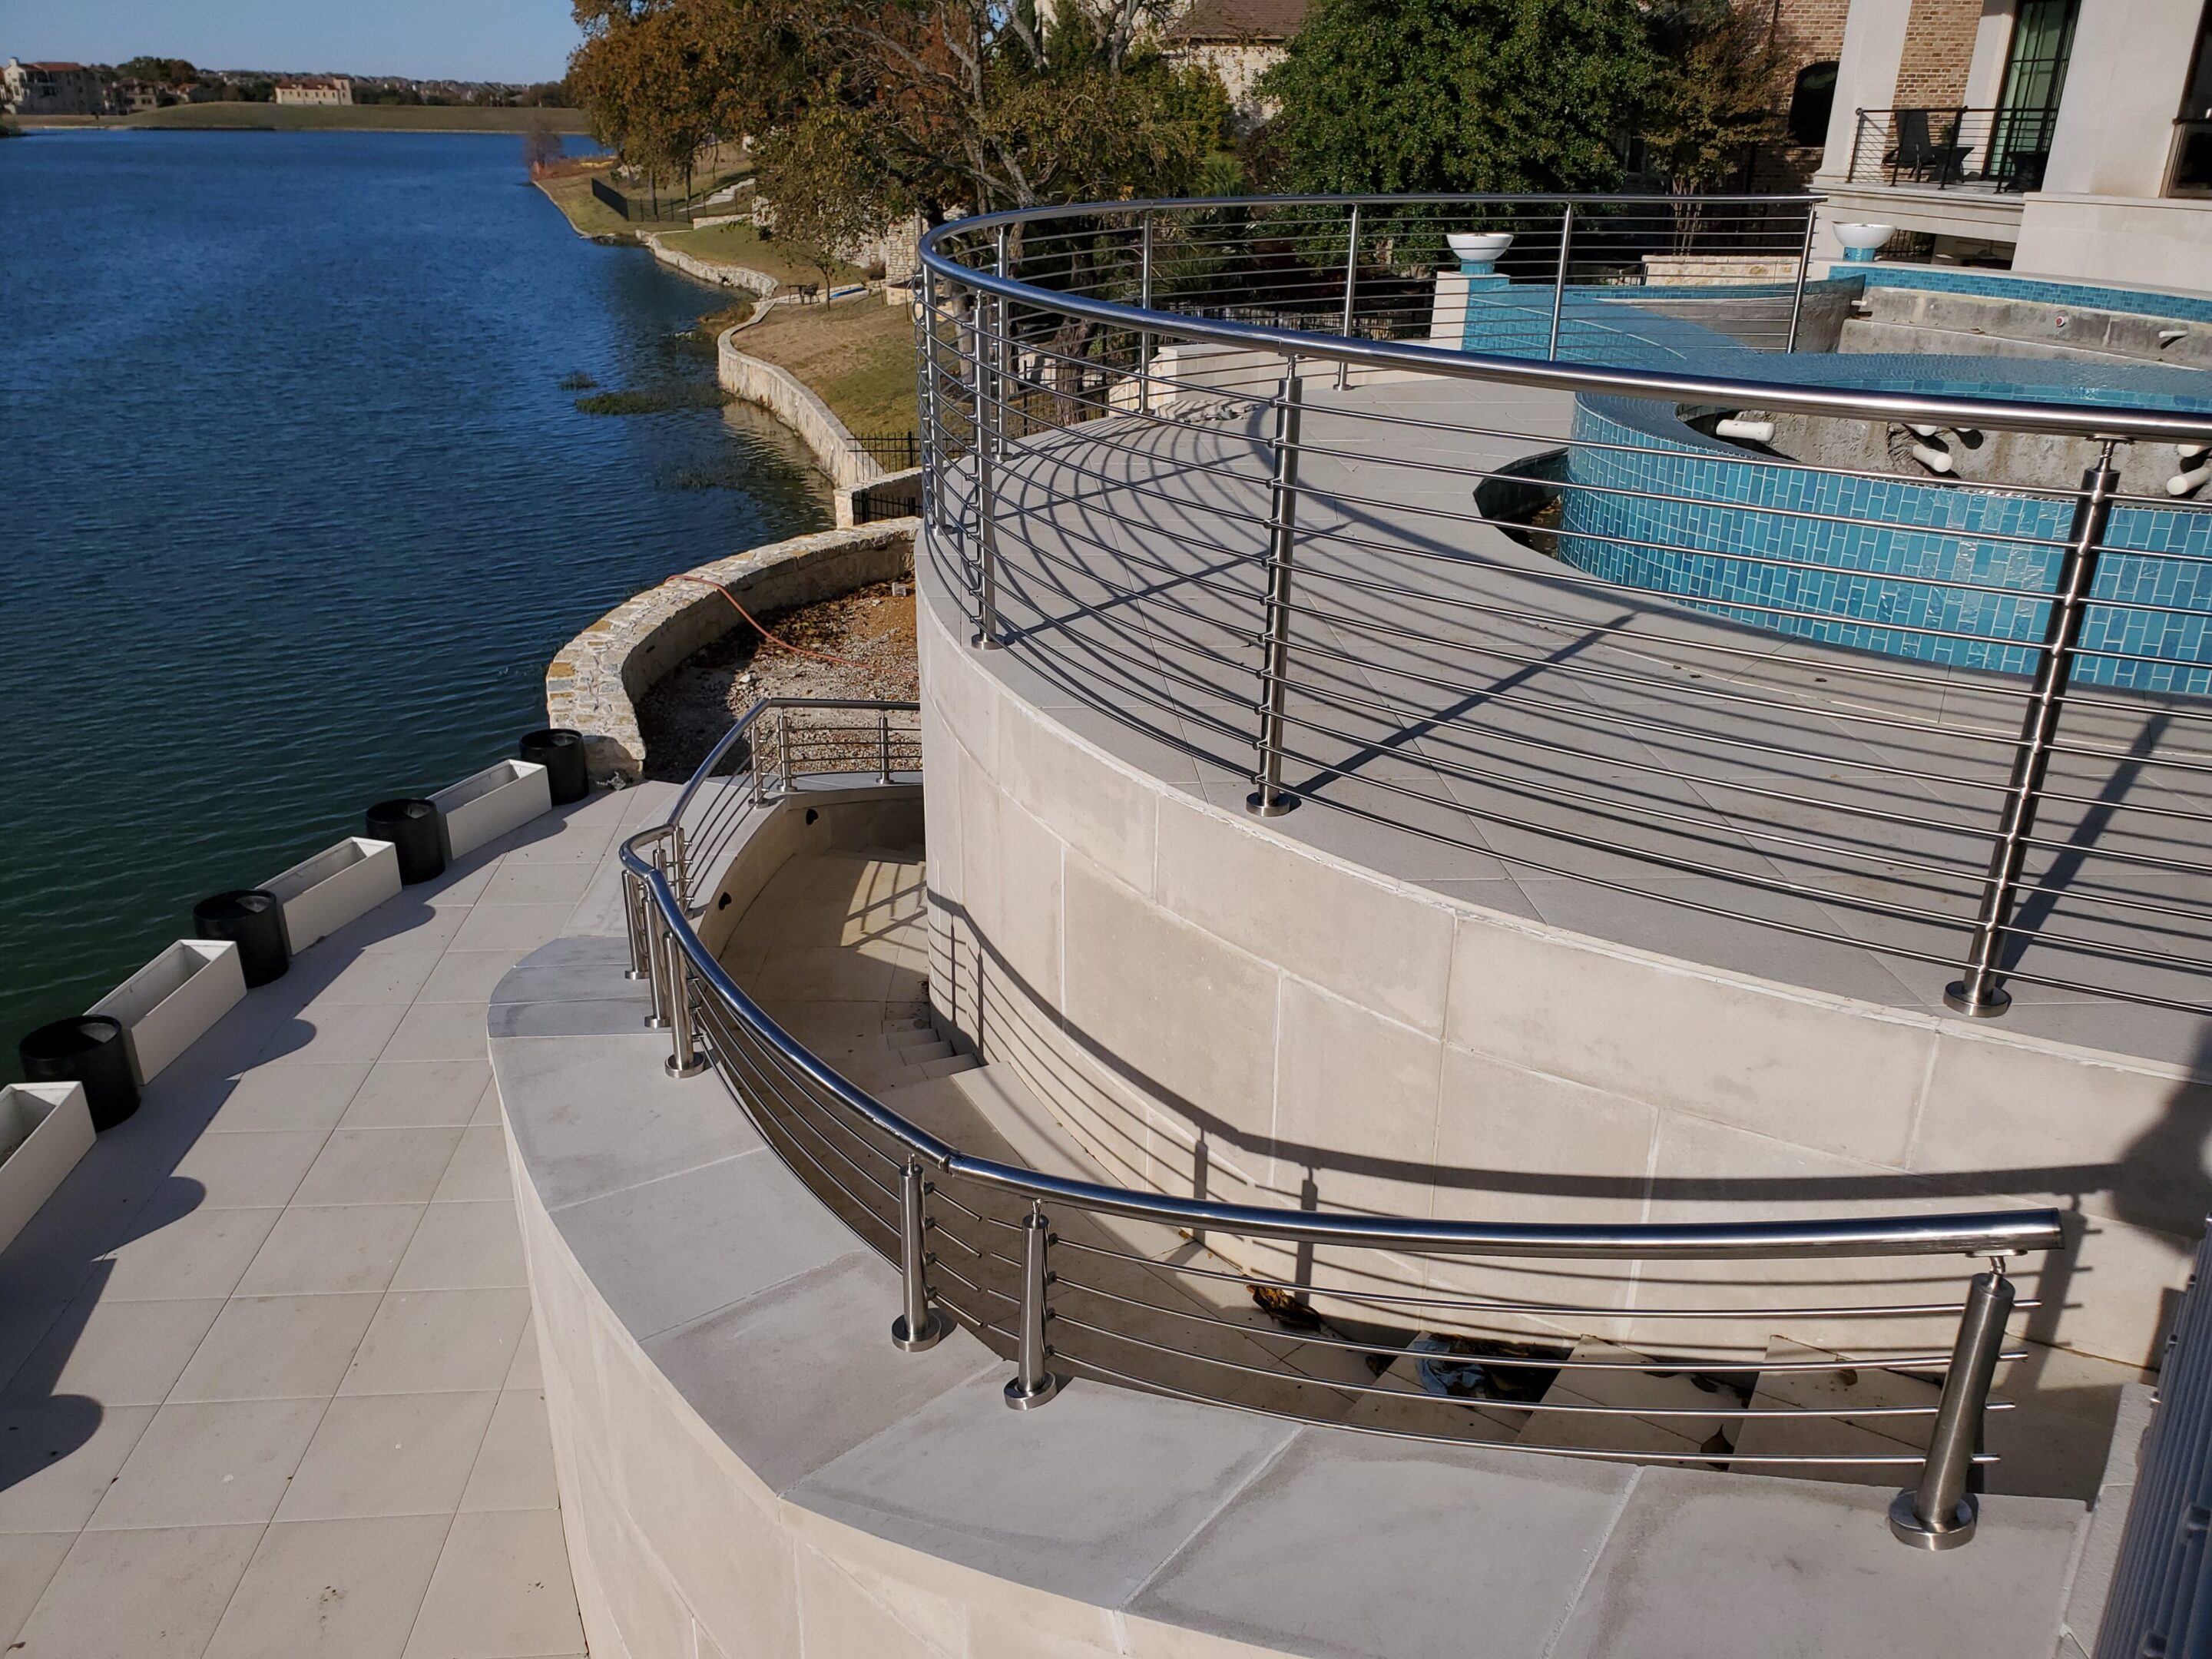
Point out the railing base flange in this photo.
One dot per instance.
(1993, 1003)
(1259, 808)
(1021, 1397)
(1907, 1527)
(933, 1332)
(697, 1067)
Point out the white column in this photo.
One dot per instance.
(1866, 75)
(2124, 89)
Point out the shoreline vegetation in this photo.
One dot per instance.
(857, 354)
(323, 118)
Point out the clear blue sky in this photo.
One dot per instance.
(465, 40)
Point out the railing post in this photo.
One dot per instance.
(1560, 283)
(684, 1059)
(657, 947)
(1979, 991)
(1269, 799)
(1145, 303)
(640, 947)
(1350, 283)
(884, 746)
(681, 865)
(1034, 1383)
(989, 418)
(932, 466)
(783, 746)
(1858, 142)
(1804, 267)
(918, 1326)
(1940, 1513)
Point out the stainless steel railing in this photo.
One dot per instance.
(1934, 691)
(1952, 148)
(1079, 1279)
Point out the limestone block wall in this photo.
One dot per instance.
(792, 401)
(1213, 1008)
(593, 684)
(719, 274)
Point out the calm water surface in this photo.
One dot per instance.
(295, 508)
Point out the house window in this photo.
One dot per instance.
(1810, 103)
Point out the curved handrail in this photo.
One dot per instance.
(1978, 1234)
(1936, 409)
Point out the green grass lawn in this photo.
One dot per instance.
(741, 245)
(857, 356)
(352, 117)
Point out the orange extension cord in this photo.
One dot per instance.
(796, 650)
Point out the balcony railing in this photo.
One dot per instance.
(1953, 148)
(1071, 1278)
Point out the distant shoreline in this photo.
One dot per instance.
(318, 117)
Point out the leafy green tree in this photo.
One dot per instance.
(162, 72)
(1420, 96)
(1717, 92)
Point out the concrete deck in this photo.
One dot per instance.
(760, 1467)
(1503, 731)
(272, 1385)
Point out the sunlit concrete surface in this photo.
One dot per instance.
(272, 1383)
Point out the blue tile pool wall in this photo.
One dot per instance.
(2000, 285)
(1685, 504)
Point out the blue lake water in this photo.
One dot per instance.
(296, 509)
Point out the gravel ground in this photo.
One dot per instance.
(871, 628)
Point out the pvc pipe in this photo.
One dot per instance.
(1935, 460)
(1757, 432)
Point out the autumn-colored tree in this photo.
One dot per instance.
(825, 197)
(1717, 90)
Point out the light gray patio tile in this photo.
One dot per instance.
(379, 1166)
(379, 976)
(832, 1323)
(511, 927)
(347, 1588)
(1278, 1568)
(1697, 1567)
(501, 1590)
(419, 1094)
(211, 1464)
(203, 1253)
(423, 1341)
(273, 1347)
(477, 1173)
(528, 1371)
(56, 1458)
(1086, 1497)
(390, 1454)
(466, 975)
(514, 1464)
(118, 1353)
(439, 1030)
(406, 923)
(540, 881)
(669, 1250)
(28, 1561)
(328, 1249)
(253, 1169)
(302, 1097)
(585, 1082)
(465, 1247)
(343, 1031)
(144, 1595)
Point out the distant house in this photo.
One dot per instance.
(129, 97)
(315, 89)
(52, 89)
(1239, 41)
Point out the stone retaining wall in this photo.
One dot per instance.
(787, 397)
(593, 684)
(709, 271)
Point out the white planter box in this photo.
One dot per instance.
(165, 1004)
(340, 883)
(44, 1127)
(485, 805)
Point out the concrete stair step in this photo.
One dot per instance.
(950, 1066)
(1862, 1386)
(915, 1054)
(1713, 1428)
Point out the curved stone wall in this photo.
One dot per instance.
(593, 683)
(795, 403)
(1213, 1006)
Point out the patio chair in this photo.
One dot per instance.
(1920, 155)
